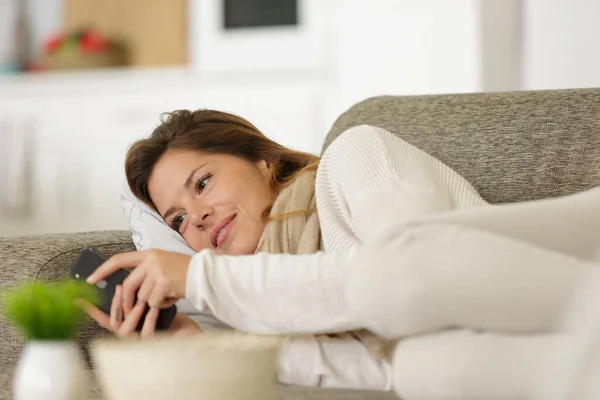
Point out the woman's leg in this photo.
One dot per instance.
(567, 224)
(574, 373)
(466, 365)
(434, 277)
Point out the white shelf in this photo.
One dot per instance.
(59, 83)
(146, 80)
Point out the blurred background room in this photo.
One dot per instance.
(81, 79)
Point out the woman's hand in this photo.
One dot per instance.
(183, 325)
(124, 326)
(116, 322)
(159, 277)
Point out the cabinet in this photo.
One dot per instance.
(80, 136)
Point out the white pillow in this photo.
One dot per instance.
(148, 230)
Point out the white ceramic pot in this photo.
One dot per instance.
(51, 370)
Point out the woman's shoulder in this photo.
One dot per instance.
(361, 135)
(365, 143)
(362, 153)
(366, 140)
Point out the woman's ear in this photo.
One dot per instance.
(265, 167)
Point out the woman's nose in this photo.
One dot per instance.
(200, 217)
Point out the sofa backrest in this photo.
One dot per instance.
(512, 146)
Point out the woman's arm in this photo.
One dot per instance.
(273, 293)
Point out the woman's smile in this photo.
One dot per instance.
(220, 231)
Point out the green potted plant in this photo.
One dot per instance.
(51, 366)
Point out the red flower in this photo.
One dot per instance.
(91, 42)
(53, 43)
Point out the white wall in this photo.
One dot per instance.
(404, 47)
(501, 36)
(561, 44)
(45, 18)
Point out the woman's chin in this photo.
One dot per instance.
(230, 249)
(240, 250)
(236, 252)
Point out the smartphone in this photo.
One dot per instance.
(86, 264)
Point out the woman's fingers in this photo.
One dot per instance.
(168, 302)
(159, 277)
(158, 297)
(116, 310)
(183, 325)
(131, 285)
(145, 289)
(116, 262)
(131, 322)
(97, 314)
(149, 328)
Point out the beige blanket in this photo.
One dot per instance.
(294, 229)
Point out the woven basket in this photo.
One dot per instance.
(115, 56)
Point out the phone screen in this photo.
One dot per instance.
(86, 264)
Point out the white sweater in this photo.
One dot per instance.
(368, 183)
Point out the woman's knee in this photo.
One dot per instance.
(432, 367)
(469, 365)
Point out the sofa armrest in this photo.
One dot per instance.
(49, 257)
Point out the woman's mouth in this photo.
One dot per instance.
(219, 233)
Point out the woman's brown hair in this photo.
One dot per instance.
(211, 132)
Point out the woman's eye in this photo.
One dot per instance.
(177, 221)
(202, 183)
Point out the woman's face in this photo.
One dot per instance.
(214, 201)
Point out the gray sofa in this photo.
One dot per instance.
(512, 146)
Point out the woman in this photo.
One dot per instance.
(401, 246)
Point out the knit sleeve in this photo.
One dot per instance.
(370, 182)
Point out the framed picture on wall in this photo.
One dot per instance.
(257, 35)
